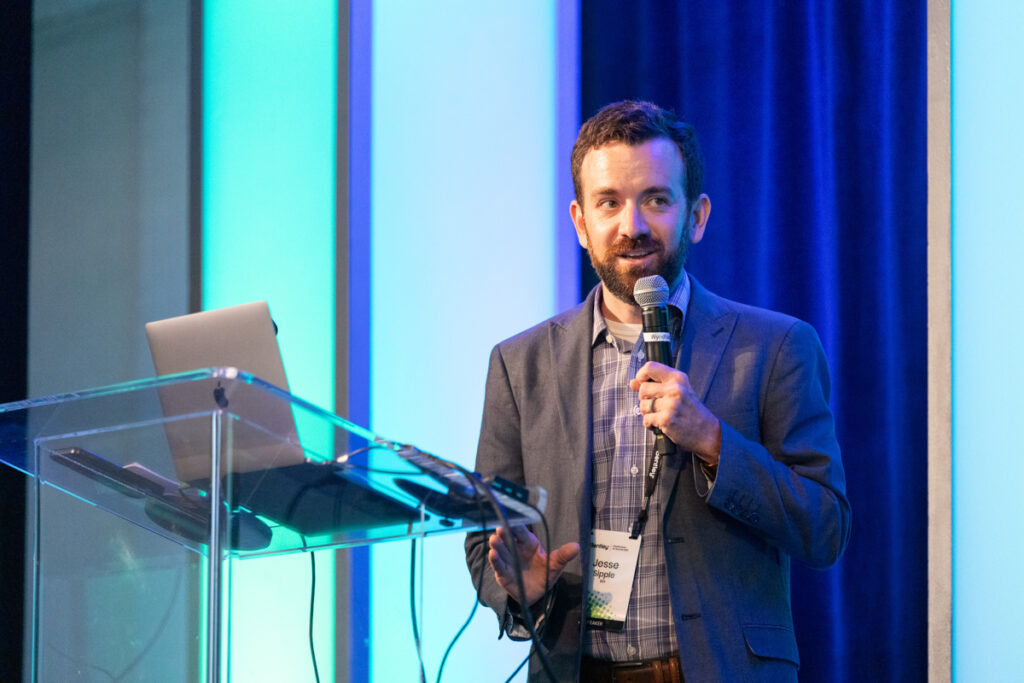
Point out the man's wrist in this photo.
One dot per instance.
(710, 471)
(711, 449)
(517, 610)
(514, 623)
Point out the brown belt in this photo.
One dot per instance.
(652, 671)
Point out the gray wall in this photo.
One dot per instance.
(109, 251)
(109, 187)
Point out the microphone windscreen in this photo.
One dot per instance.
(651, 290)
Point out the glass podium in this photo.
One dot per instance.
(142, 494)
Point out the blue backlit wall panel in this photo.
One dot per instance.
(464, 237)
(269, 120)
(988, 371)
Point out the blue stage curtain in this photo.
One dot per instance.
(812, 118)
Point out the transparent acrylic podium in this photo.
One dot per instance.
(137, 487)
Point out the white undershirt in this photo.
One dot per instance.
(626, 332)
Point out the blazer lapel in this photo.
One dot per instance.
(570, 340)
(706, 331)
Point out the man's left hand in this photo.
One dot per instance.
(677, 411)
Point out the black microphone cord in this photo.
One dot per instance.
(517, 568)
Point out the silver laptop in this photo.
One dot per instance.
(268, 473)
(241, 337)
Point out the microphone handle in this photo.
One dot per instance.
(658, 348)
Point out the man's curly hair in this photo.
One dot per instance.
(634, 123)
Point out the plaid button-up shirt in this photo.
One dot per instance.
(622, 447)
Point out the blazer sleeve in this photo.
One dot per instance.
(499, 451)
(789, 484)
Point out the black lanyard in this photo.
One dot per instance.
(662, 447)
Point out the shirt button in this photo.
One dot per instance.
(636, 409)
(631, 651)
(634, 470)
(609, 339)
(640, 355)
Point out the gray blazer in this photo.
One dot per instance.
(779, 491)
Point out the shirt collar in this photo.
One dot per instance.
(678, 303)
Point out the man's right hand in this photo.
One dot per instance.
(534, 562)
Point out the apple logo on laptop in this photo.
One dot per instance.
(219, 398)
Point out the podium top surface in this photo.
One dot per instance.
(166, 453)
(23, 421)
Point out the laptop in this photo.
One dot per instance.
(267, 475)
(242, 337)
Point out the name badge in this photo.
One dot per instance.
(615, 556)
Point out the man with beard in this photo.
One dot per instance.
(702, 594)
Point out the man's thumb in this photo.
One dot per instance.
(563, 556)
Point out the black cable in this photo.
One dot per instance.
(412, 610)
(547, 579)
(547, 566)
(521, 665)
(525, 608)
(478, 586)
(312, 602)
(517, 568)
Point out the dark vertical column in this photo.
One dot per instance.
(195, 157)
(193, 577)
(15, 93)
(352, 280)
(567, 112)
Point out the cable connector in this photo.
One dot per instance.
(509, 488)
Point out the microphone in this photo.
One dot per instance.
(651, 294)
